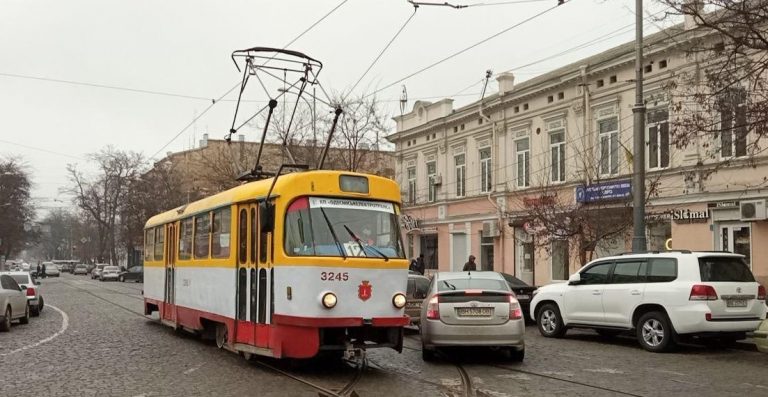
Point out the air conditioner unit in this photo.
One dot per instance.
(490, 229)
(752, 210)
(437, 180)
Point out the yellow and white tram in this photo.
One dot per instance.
(317, 264)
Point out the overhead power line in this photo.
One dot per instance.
(39, 149)
(483, 41)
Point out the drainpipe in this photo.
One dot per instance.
(494, 161)
(586, 135)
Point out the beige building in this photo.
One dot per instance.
(472, 177)
(214, 165)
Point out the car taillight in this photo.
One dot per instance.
(30, 291)
(760, 293)
(433, 308)
(701, 292)
(515, 313)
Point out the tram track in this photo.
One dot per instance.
(469, 390)
(89, 292)
(345, 390)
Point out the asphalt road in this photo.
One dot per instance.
(92, 340)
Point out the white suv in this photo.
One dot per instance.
(662, 296)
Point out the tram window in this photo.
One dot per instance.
(185, 239)
(220, 239)
(266, 223)
(159, 239)
(253, 235)
(149, 244)
(202, 236)
(242, 235)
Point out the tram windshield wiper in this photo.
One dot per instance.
(360, 243)
(333, 233)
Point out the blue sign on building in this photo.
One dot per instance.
(614, 190)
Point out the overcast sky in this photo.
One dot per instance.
(183, 47)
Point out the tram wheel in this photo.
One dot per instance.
(221, 335)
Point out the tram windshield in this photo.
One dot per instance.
(321, 226)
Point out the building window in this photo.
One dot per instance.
(550, 99)
(659, 231)
(486, 254)
(431, 175)
(462, 127)
(732, 107)
(517, 109)
(525, 106)
(455, 128)
(461, 175)
(658, 139)
(485, 170)
(613, 79)
(600, 83)
(523, 150)
(557, 151)
(480, 121)
(412, 185)
(560, 96)
(608, 130)
(662, 64)
(648, 69)
(560, 261)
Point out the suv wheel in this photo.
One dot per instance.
(654, 332)
(5, 325)
(550, 322)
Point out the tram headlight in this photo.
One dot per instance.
(329, 300)
(399, 300)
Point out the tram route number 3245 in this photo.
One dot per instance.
(334, 276)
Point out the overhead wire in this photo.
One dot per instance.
(238, 83)
(42, 149)
(455, 54)
(407, 21)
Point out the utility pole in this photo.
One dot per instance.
(638, 179)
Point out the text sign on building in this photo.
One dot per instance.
(409, 223)
(614, 190)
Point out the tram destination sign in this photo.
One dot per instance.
(606, 191)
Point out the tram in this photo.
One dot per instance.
(284, 267)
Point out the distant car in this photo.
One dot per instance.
(25, 267)
(52, 271)
(110, 273)
(34, 296)
(418, 287)
(80, 269)
(96, 272)
(135, 273)
(13, 303)
(523, 292)
(471, 309)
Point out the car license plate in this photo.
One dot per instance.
(736, 303)
(520, 296)
(474, 311)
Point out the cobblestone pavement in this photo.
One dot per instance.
(99, 344)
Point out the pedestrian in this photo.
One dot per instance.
(420, 264)
(470, 265)
(43, 271)
(37, 273)
(412, 266)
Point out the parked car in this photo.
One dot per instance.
(33, 293)
(523, 292)
(96, 272)
(80, 269)
(52, 271)
(662, 297)
(418, 287)
(761, 337)
(13, 303)
(109, 273)
(135, 273)
(471, 309)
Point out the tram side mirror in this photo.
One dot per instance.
(267, 217)
(575, 279)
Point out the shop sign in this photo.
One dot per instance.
(680, 214)
(409, 223)
(614, 190)
(723, 204)
(539, 201)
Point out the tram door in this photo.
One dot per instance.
(169, 312)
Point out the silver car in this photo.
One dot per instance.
(471, 309)
(13, 303)
(34, 296)
(96, 272)
(109, 273)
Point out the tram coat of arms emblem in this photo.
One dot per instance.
(364, 290)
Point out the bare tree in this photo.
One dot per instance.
(16, 210)
(103, 194)
(361, 131)
(721, 103)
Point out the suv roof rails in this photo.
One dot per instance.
(656, 252)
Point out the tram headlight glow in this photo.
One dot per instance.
(329, 300)
(399, 300)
